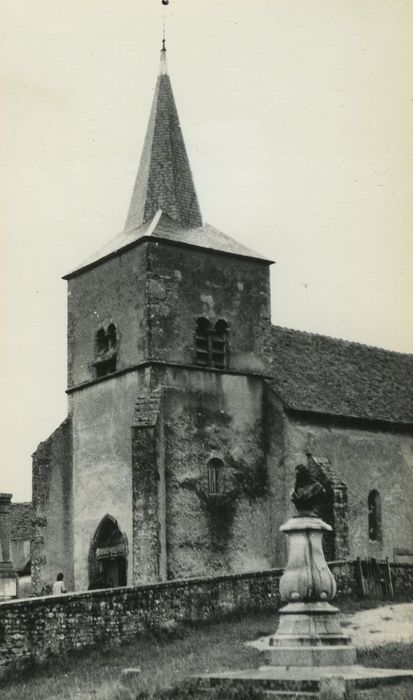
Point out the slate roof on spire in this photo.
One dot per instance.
(164, 204)
(164, 180)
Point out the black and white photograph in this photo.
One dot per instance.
(206, 272)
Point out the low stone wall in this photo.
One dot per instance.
(31, 630)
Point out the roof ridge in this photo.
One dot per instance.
(343, 341)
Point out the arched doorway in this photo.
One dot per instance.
(108, 557)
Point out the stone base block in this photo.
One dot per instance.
(317, 682)
(312, 656)
(310, 634)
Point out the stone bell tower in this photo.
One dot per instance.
(170, 306)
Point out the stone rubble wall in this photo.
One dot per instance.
(35, 629)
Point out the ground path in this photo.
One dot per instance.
(384, 625)
(368, 628)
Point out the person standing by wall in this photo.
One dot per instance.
(59, 585)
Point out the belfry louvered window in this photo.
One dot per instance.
(105, 351)
(203, 327)
(211, 343)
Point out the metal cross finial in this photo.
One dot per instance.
(163, 66)
(163, 39)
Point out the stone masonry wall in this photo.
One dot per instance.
(112, 292)
(220, 417)
(180, 528)
(148, 505)
(34, 629)
(184, 284)
(365, 459)
(102, 457)
(52, 537)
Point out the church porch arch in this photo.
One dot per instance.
(334, 510)
(108, 555)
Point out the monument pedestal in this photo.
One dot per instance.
(309, 656)
(309, 633)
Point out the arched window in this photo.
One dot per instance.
(374, 516)
(105, 351)
(215, 476)
(211, 343)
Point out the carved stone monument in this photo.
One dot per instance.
(8, 577)
(309, 633)
(308, 654)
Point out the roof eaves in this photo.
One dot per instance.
(156, 238)
(345, 417)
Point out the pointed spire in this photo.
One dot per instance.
(164, 180)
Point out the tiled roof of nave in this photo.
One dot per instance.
(326, 375)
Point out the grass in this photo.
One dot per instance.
(167, 659)
(401, 691)
(163, 661)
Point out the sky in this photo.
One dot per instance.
(297, 116)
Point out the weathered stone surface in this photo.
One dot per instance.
(113, 292)
(307, 576)
(153, 294)
(59, 624)
(37, 628)
(365, 458)
(301, 680)
(53, 509)
(184, 284)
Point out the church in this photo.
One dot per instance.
(189, 411)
